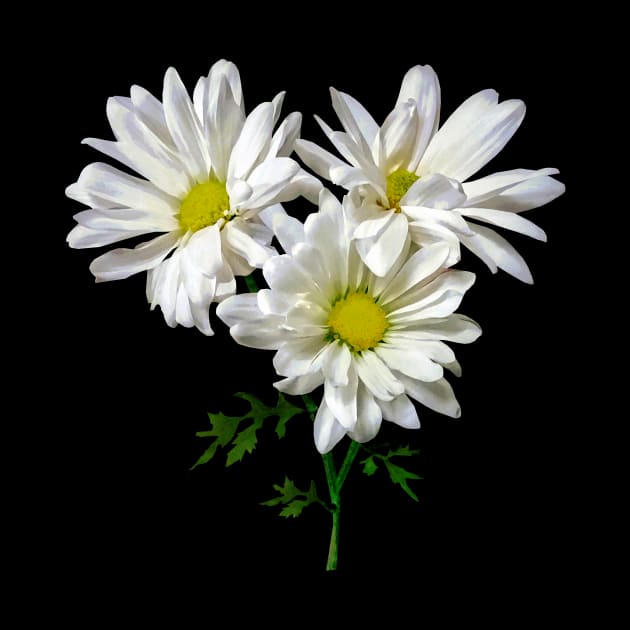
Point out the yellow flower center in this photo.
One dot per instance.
(398, 183)
(204, 205)
(358, 321)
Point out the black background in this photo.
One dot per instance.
(125, 394)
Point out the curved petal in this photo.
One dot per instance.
(342, 399)
(316, 158)
(435, 191)
(300, 385)
(421, 84)
(377, 377)
(122, 263)
(459, 152)
(437, 395)
(381, 252)
(295, 357)
(184, 127)
(401, 411)
(496, 249)
(492, 185)
(507, 220)
(327, 431)
(413, 364)
(239, 308)
(398, 137)
(369, 416)
(457, 328)
(253, 141)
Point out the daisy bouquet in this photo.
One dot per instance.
(361, 298)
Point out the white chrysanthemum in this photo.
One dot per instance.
(417, 174)
(372, 341)
(214, 177)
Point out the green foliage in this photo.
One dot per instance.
(397, 473)
(224, 428)
(293, 499)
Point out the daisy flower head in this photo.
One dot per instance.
(372, 341)
(413, 175)
(212, 179)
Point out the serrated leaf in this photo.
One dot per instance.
(399, 476)
(285, 411)
(294, 499)
(402, 451)
(224, 427)
(245, 442)
(369, 466)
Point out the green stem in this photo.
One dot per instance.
(252, 285)
(335, 482)
(353, 449)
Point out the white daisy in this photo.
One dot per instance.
(213, 179)
(372, 341)
(417, 174)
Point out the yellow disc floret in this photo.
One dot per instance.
(204, 205)
(398, 183)
(358, 321)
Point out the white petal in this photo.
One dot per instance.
(125, 190)
(401, 411)
(369, 416)
(532, 193)
(354, 154)
(377, 376)
(374, 225)
(441, 306)
(449, 219)
(288, 230)
(126, 219)
(460, 152)
(437, 395)
(345, 107)
(295, 357)
(426, 233)
(239, 192)
(486, 187)
(151, 113)
(162, 173)
(398, 135)
(342, 400)
(420, 266)
(434, 191)
(122, 263)
(265, 334)
(183, 314)
(336, 364)
(237, 235)
(239, 308)
(415, 365)
(307, 319)
(358, 121)
(499, 252)
(455, 327)
(421, 84)
(184, 127)
(165, 292)
(224, 123)
(284, 275)
(273, 302)
(380, 253)
(300, 385)
(284, 138)
(252, 142)
(326, 430)
(316, 158)
(204, 250)
(508, 220)
(227, 69)
(270, 181)
(81, 237)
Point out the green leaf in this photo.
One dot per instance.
(224, 428)
(399, 476)
(369, 466)
(285, 411)
(293, 499)
(402, 451)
